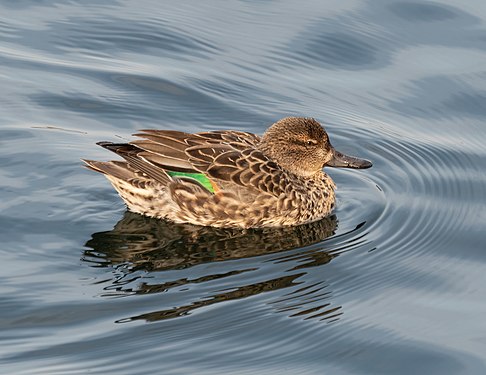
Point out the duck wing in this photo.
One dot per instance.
(136, 161)
(167, 149)
(249, 168)
(230, 156)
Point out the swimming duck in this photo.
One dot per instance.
(228, 178)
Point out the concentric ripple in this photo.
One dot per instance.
(430, 194)
(433, 189)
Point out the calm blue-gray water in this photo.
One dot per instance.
(393, 283)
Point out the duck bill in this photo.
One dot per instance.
(340, 160)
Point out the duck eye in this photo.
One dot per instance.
(311, 142)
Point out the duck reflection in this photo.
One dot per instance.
(156, 245)
(139, 243)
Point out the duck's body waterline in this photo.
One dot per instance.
(229, 178)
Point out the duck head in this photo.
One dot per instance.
(302, 146)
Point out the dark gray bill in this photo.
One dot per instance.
(344, 161)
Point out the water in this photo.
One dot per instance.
(393, 283)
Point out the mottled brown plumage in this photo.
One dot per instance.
(229, 178)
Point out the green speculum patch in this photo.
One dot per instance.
(199, 177)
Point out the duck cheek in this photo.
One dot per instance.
(317, 165)
(326, 159)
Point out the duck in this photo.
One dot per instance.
(229, 178)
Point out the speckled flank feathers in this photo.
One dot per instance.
(245, 181)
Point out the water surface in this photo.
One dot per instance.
(393, 282)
